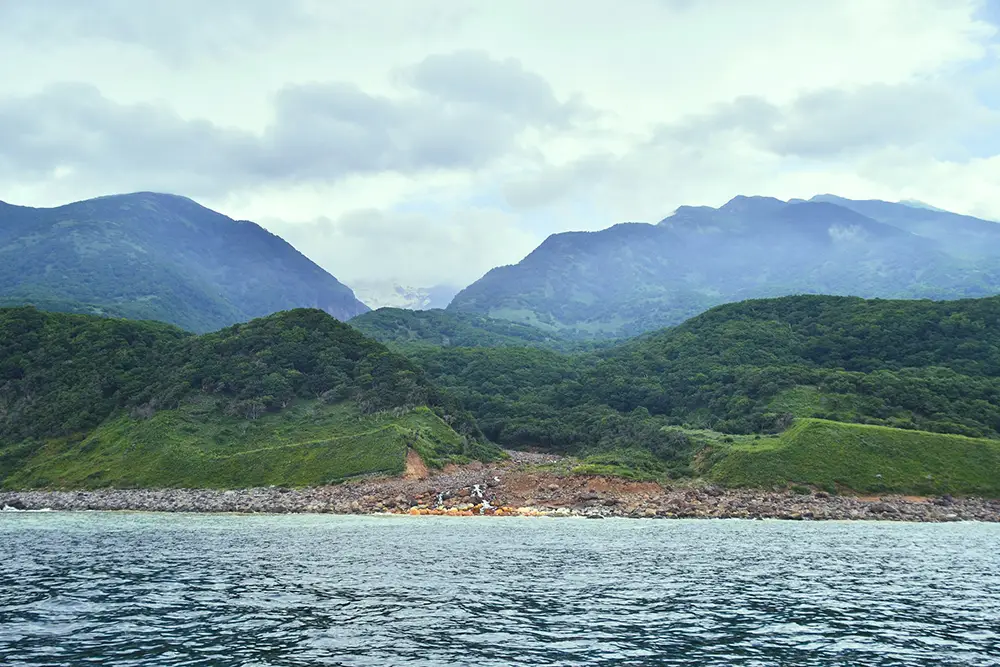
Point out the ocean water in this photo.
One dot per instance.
(145, 589)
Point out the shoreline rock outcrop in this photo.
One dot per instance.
(517, 488)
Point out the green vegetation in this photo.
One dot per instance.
(194, 446)
(157, 257)
(633, 277)
(738, 372)
(295, 397)
(868, 459)
(763, 392)
(442, 328)
(632, 463)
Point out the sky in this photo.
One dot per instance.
(427, 141)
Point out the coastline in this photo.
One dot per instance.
(516, 488)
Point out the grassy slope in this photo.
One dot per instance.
(832, 455)
(195, 446)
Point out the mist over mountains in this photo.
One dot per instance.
(392, 294)
(636, 277)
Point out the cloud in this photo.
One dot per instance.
(831, 123)
(71, 129)
(551, 184)
(181, 31)
(320, 132)
(486, 126)
(453, 247)
(847, 233)
(473, 78)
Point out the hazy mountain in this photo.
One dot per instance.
(959, 235)
(390, 294)
(158, 256)
(635, 277)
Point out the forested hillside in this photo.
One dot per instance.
(744, 368)
(443, 328)
(300, 397)
(77, 389)
(157, 257)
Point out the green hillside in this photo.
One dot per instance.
(442, 328)
(763, 392)
(293, 398)
(157, 257)
(740, 369)
(867, 459)
(193, 446)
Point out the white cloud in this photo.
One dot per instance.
(430, 140)
(449, 247)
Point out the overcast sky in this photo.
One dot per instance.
(430, 140)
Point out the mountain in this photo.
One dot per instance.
(398, 326)
(959, 235)
(389, 294)
(636, 277)
(159, 257)
(296, 398)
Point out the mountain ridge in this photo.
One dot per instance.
(149, 255)
(635, 277)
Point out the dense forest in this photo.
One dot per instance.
(745, 370)
(65, 375)
(407, 329)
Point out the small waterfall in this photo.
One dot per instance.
(477, 490)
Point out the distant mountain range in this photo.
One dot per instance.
(636, 277)
(160, 257)
(165, 257)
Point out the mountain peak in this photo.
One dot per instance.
(829, 199)
(741, 203)
(151, 255)
(629, 279)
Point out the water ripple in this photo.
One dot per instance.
(266, 591)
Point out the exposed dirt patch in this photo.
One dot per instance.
(415, 466)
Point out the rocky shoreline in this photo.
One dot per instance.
(517, 487)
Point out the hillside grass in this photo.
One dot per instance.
(838, 456)
(195, 446)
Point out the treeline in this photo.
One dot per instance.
(403, 328)
(63, 374)
(746, 368)
(743, 368)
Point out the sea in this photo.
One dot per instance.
(116, 589)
